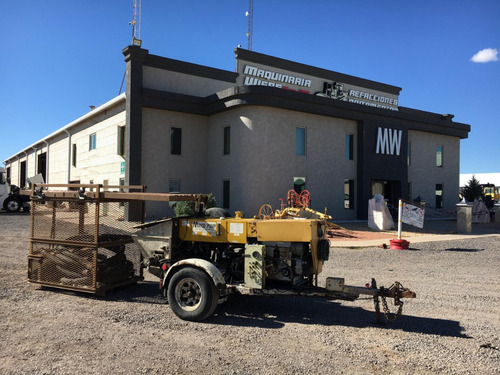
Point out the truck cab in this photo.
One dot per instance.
(10, 199)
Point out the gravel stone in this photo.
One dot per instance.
(452, 327)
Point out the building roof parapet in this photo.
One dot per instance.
(165, 63)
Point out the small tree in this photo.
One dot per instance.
(472, 190)
(187, 208)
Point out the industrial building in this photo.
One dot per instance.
(250, 135)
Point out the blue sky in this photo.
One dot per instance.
(60, 56)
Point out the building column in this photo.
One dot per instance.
(134, 57)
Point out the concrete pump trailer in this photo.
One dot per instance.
(93, 238)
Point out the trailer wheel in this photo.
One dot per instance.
(12, 204)
(192, 294)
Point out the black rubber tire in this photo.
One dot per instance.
(192, 294)
(12, 204)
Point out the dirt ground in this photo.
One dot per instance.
(452, 327)
(359, 231)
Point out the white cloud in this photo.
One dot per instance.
(485, 55)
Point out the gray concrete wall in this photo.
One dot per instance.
(263, 164)
(159, 166)
(423, 174)
(182, 83)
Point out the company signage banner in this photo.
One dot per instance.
(336, 90)
(254, 74)
(413, 215)
(388, 141)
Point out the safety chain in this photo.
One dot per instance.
(390, 317)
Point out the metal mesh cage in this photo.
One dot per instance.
(82, 245)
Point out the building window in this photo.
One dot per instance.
(227, 140)
(120, 142)
(349, 147)
(408, 154)
(225, 193)
(300, 141)
(174, 186)
(439, 156)
(73, 155)
(439, 195)
(349, 194)
(92, 141)
(175, 141)
(8, 175)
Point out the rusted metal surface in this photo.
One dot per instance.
(82, 245)
(102, 193)
(301, 292)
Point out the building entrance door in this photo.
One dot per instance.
(391, 190)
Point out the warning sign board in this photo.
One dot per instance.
(413, 215)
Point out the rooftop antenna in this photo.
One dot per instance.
(136, 24)
(249, 14)
(136, 32)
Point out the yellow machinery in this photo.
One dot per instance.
(492, 191)
(83, 239)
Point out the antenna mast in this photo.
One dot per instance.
(136, 24)
(249, 14)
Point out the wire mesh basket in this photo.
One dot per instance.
(82, 243)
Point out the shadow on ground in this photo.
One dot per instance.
(275, 312)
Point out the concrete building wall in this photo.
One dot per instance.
(31, 164)
(159, 166)
(423, 174)
(181, 83)
(29, 158)
(59, 158)
(14, 172)
(103, 162)
(262, 164)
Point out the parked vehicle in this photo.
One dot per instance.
(10, 199)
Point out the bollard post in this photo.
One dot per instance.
(464, 217)
(400, 218)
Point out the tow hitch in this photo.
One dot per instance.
(396, 291)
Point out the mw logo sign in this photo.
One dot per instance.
(388, 141)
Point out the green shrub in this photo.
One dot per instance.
(187, 208)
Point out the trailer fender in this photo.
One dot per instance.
(204, 266)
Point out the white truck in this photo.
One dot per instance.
(10, 199)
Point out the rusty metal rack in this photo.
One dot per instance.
(81, 240)
(81, 234)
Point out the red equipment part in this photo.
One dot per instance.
(305, 198)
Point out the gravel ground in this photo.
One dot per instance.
(453, 327)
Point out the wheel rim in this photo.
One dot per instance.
(188, 294)
(13, 205)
